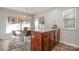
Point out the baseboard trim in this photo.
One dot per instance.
(76, 46)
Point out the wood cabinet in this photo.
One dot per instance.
(57, 36)
(44, 41)
(52, 40)
(36, 41)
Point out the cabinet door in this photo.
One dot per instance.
(57, 36)
(36, 41)
(52, 40)
(46, 41)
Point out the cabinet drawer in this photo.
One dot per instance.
(45, 35)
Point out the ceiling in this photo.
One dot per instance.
(30, 10)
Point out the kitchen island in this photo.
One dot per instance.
(44, 40)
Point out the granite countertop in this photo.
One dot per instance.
(43, 30)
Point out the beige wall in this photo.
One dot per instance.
(67, 36)
(4, 38)
(4, 14)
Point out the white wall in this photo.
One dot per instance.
(4, 14)
(67, 36)
(52, 17)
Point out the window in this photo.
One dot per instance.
(11, 27)
(69, 18)
(26, 25)
(36, 23)
(39, 23)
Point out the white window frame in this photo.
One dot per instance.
(64, 20)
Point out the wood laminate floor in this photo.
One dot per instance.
(64, 47)
(27, 46)
(59, 47)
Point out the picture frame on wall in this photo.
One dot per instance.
(21, 20)
(12, 20)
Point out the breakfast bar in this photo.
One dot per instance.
(44, 40)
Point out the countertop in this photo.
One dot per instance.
(43, 30)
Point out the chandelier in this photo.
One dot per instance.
(25, 18)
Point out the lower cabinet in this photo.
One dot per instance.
(44, 41)
(56, 36)
(52, 40)
(36, 42)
